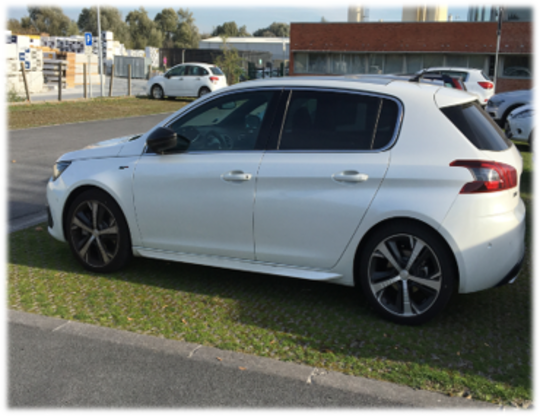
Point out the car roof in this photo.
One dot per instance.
(196, 63)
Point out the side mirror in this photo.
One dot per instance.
(162, 139)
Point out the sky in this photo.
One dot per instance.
(209, 14)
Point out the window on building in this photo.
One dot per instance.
(358, 64)
(318, 63)
(413, 63)
(458, 61)
(300, 63)
(517, 67)
(431, 60)
(393, 64)
(376, 63)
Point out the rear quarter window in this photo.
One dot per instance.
(216, 71)
(477, 126)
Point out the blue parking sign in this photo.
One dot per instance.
(88, 39)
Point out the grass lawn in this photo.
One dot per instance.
(479, 347)
(23, 116)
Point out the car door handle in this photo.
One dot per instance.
(350, 176)
(236, 176)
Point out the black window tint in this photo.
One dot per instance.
(216, 71)
(477, 126)
(336, 121)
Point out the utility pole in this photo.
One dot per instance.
(100, 56)
(499, 29)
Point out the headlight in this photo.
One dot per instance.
(59, 167)
(526, 113)
(495, 102)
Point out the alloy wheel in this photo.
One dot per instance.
(404, 275)
(95, 233)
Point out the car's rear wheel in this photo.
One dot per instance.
(97, 232)
(157, 92)
(203, 91)
(407, 273)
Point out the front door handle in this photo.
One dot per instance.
(350, 176)
(236, 176)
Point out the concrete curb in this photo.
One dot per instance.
(374, 388)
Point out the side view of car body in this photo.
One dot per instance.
(406, 190)
(520, 124)
(475, 80)
(501, 105)
(186, 80)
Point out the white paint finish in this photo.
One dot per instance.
(239, 264)
(183, 203)
(303, 216)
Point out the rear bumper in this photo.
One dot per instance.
(512, 274)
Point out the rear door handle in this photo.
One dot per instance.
(236, 176)
(350, 176)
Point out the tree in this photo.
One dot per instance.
(111, 20)
(280, 30)
(167, 21)
(230, 63)
(229, 29)
(187, 34)
(17, 29)
(143, 31)
(51, 20)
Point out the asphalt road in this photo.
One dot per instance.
(56, 363)
(32, 153)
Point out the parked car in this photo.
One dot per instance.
(475, 80)
(439, 79)
(520, 123)
(187, 80)
(500, 105)
(406, 190)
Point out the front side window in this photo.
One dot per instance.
(318, 120)
(177, 71)
(232, 122)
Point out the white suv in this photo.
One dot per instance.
(475, 80)
(186, 80)
(404, 189)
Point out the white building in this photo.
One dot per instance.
(278, 47)
(357, 13)
(425, 13)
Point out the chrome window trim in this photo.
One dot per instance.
(391, 142)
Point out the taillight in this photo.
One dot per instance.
(215, 80)
(488, 176)
(486, 85)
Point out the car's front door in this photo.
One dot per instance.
(174, 81)
(201, 201)
(313, 191)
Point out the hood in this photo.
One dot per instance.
(107, 148)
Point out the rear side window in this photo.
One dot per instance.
(318, 120)
(477, 126)
(216, 71)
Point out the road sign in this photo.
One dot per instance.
(88, 39)
(88, 50)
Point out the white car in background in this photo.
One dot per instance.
(501, 105)
(406, 190)
(475, 80)
(187, 80)
(520, 123)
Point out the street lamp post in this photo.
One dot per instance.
(499, 29)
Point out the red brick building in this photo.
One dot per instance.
(407, 47)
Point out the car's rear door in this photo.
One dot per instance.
(314, 189)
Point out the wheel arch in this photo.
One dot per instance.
(509, 110)
(398, 221)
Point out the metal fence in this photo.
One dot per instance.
(177, 56)
(139, 66)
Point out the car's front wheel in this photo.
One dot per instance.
(97, 232)
(406, 272)
(157, 92)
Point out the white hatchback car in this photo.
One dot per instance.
(187, 80)
(520, 123)
(406, 190)
(475, 80)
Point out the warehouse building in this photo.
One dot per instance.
(407, 47)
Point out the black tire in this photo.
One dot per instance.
(533, 135)
(203, 91)
(97, 232)
(387, 287)
(157, 92)
(531, 141)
